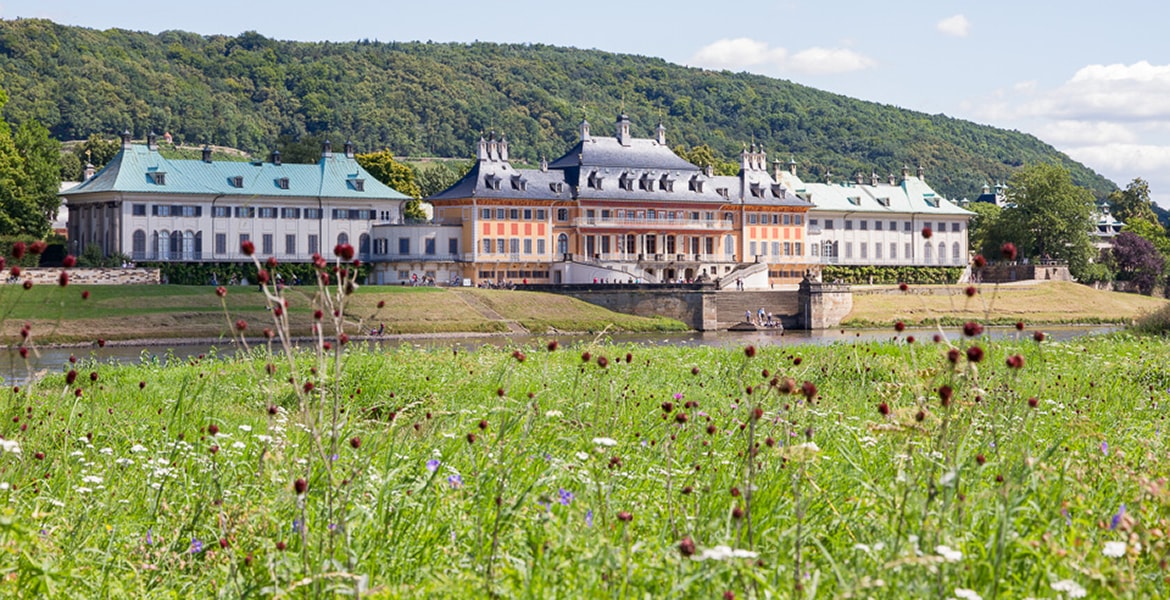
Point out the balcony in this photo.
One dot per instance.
(635, 223)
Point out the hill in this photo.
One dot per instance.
(429, 99)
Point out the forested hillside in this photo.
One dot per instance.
(425, 99)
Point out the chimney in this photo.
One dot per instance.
(745, 159)
(859, 178)
(493, 147)
(660, 134)
(206, 153)
(623, 130)
(584, 130)
(276, 158)
(90, 171)
(921, 173)
(873, 178)
(348, 149)
(892, 180)
(905, 172)
(481, 152)
(152, 142)
(777, 170)
(792, 165)
(327, 149)
(828, 176)
(709, 171)
(126, 139)
(543, 165)
(503, 148)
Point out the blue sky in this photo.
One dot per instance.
(1090, 78)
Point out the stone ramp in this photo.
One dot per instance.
(486, 311)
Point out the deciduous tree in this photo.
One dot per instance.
(1137, 260)
(1049, 216)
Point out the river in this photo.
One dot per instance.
(15, 371)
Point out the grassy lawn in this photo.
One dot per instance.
(171, 311)
(1052, 302)
(408, 473)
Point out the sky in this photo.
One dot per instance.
(1090, 78)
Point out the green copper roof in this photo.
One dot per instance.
(138, 169)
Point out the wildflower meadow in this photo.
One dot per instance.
(952, 467)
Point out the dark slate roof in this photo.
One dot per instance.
(641, 153)
(513, 183)
(757, 188)
(333, 177)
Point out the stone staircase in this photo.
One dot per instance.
(731, 306)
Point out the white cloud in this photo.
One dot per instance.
(957, 26)
(1130, 158)
(819, 61)
(1085, 133)
(738, 54)
(745, 53)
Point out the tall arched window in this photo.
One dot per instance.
(188, 245)
(198, 245)
(562, 244)
(364, 246)
(942, 253)
(342, 238)
(956, 252)
(138, 245)
(926, 253)
(162, 245)
(176, 248)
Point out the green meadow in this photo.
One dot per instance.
(992, 469)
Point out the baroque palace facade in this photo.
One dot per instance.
(621, 208)
(152, 208)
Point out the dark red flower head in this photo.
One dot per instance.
(1008, 251)
(686, 547)
(300, 486)
(37, 247)
(974, 354)
(247, 247)
(221, 291)
(271, 262)
(18, 250)
(979, 262)
(1015, 361)
(927, 232)
(972, 329)
(1038, 336)
(809, 389)
(749, 351)
(241, 324)
(899, 327)
(945, 393)
(625, 517)
(69, 261)
(343, 251)
(553, 345)
(884, 409)
(971, 291)
(63, 279)
(903, 287)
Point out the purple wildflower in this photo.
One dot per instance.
(566, 497)
(456, 481)
(149, 538)
(678, 396)
(1105, 448)
(589, 518)
(296, 526)
(196, 546)
(1117, 517)
(433, 465)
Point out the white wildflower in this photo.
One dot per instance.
(138, 448)
(948, 554)
(552, 414)
(947, 479)
(4, 485)
(1069, 588)
(267, 439)
(239, 444)
(107, 451)
(245, 428)
(122, 462)
(56, 502)
(91, 479)
(967, 594)
(12, 446)
(581, 456)
(82, 490)
(604, 441)
(861, 547)
(724, 553)
(1114, 549)
(76, 453)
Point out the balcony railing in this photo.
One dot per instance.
(664, 258)
(707, 224)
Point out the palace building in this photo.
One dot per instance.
(612, 209)
(153, 208)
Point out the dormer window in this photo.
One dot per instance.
(626, 182)
(932, 202)
(556, 187)
(237, 181)
(282, 183)
(884, 201)
(519, 183)
(854, 200)
(646, 183)
(757, 192)
(696, 184)
(779, 191)
(721, 192)
(666, 184)
(491, 181)
(359, 185)
(158, 177)
(595, 181)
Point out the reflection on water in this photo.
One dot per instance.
(15, 370)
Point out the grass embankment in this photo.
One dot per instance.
(469, 474)
(137, 312)
(1056, 302)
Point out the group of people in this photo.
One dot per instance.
(762, 319)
